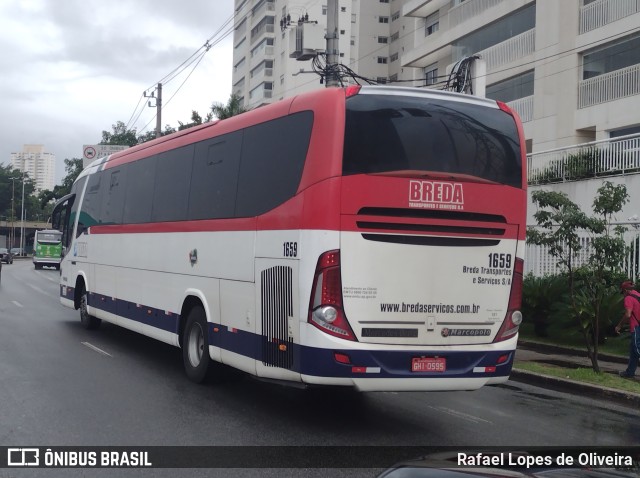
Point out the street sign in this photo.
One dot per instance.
(94, 151)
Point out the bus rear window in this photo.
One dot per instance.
(49, 237)
(391, 133)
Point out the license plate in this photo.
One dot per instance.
(428, 364)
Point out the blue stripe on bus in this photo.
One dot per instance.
(315, 361)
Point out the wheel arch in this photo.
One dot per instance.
(81, 281)
(193, 298)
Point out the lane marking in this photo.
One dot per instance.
(464, 416)
(36, 288)
(16, 303)
(46, 276)
(93, 347)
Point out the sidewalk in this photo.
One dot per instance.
(554, 355)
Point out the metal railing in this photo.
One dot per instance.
(540, 263)
(524, 108)
(510, 50)
(469, 9)
(602, 12)
(610, 86)
(608, 157)
(258, 32)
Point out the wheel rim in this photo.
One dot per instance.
(195, 347)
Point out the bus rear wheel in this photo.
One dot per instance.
(89, 322)
(195, 346)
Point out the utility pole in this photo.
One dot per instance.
(158, 106)
(159, 112)
(333, 53)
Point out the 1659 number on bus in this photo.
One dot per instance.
(290, 249)
(502, 261)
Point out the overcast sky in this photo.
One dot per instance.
(72, 68)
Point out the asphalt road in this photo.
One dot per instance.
(63, 385)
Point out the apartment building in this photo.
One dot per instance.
(38, 164)
(570, 68)
(372, 37)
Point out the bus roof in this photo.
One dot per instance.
(266, 113)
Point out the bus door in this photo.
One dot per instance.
(62, 220)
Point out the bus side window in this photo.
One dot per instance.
(91, 212)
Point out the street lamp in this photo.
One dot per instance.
(12, 240)
(12, 232)
(22, 241)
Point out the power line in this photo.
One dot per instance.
(196, 58)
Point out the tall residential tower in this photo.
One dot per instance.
(38, 164)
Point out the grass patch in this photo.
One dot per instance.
(582, 375)
(614, 345)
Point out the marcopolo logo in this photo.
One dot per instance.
(436, 195)
(465, 332)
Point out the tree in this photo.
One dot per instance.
(73, 167)
(151, 135)
(120, 135)
(559, 223)
(11, 192)
(196, 120)
(232, 108)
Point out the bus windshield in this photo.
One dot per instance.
(422, 135)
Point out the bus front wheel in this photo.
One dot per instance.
(89, 322)
(195, 346)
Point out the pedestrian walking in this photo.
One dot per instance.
(631, 314)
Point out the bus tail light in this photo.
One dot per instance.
(325, 309)
(514, 317)
(352, 90)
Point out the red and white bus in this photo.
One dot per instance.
(369, 237)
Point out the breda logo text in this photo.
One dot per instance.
(436, 195)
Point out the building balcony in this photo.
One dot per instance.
(609, 87)
(265, 7)
(505, 52)
(602, 12)
(259, 55)
(467, 10)
(524, 108)
(264, 29)
(260, 98)
(260, 76)
(456, 23)
(609, 157)
(422, 8)
(510, 50)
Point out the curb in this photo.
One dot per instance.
(571, 386)
(556, 349)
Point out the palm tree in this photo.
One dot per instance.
(232, 108)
